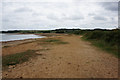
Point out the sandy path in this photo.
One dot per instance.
(78, 59)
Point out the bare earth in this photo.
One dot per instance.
(77, 59)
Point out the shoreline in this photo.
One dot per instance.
(20, 39)
(22, 43)
(43, 35)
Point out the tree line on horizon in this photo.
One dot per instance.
(76, 31)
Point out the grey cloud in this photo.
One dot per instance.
(91, 14)
(112, 19)
(53, 17)
(66, 17)
(99, 18)
(23, 9)
(63, 17)
(112, 6)
(5, 20)
(36, 14)
(74, 17)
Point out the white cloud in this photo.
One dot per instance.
(60, 0)
(51, 15)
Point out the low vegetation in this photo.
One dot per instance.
(106, 40)
(53, 41)
(17, 58)
(5, 46)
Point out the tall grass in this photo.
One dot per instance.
(106, 40)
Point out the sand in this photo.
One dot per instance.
(77, 59)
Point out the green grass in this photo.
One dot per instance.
(104, 46)
(6, 46)
(17, 58)
(53, 41)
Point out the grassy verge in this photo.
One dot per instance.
(113, 49)
(17, 58)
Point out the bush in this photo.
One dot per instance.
(95, 35)
(108, 40)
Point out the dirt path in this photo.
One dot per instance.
(78, 59)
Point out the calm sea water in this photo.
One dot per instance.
(11, 37)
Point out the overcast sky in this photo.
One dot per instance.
(54, 14)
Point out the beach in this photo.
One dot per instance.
(60, 56)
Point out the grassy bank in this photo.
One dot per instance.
(106, 40)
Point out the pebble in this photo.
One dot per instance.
(40, 54)
(21, 77)
(46, 49)
(85, 70)
(69, 63)
(9, 70)
(10, 67)
(108, 72)
(60, 57)
(77, 69)
(43, 58)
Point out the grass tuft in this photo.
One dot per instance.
(53, 41)
(17, 58)
(6, 46)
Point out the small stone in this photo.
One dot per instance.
(33, 70)
(97, 71)
(108, 72)
(43, 58)
(46, 49)
(9, 70)
(10, 67)
(77, 69)
(60, 57)
(21, 77)
(69, 63)
(85, 70)
(87, 62)
(40, 54)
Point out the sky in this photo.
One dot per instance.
(55, 14)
